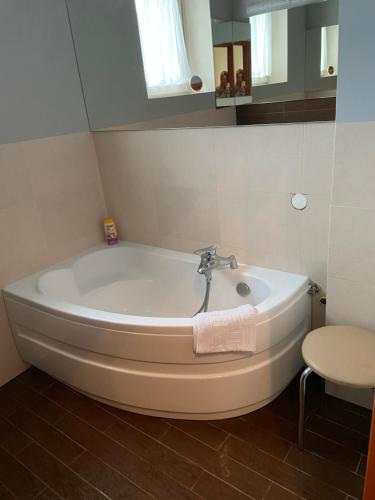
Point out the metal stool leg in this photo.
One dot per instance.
(302, 389)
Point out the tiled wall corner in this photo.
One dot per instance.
(51, 204)
(351, 263)
(185, 188)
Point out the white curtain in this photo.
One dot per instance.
(324, 53)
(261, 48)
(164, 53)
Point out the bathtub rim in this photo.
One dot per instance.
(26, 291)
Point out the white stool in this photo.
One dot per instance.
(341, 354)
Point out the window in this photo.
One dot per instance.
(261, 48)
(165, 60)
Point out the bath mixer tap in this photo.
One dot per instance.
(210, 260)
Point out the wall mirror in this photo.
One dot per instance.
(193, 63)
(281, 51)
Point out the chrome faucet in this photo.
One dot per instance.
(210, 260)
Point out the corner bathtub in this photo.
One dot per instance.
(116, 324)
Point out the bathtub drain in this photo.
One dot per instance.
(243, 289)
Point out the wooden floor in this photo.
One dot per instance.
(55, 443)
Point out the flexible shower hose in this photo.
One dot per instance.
(204, 306)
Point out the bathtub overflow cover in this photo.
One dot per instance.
(243, 289)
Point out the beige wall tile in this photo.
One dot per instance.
(134, 210)
(187, 213)
(314, 239)
(259, 158)
(51, 207)
(22, 242)
(62, 163)
(350, 303)
(318, 156)
(352, 244)
(15, 183)
(229, 186)
(354, 172)
(11, 364)
(72, 220)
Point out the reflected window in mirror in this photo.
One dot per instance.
(176, 45)
(269, 47)
(329, 51)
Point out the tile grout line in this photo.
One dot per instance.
(197, 480)
(267, 491)
(33, 441)
(359, 463)
(178, 454)
(17, 458)
(240, 463)
(159, 439)
(320, 435)
(67, 466)
(341, 425)
(129, 450)
(8, 490)
(307, 474)
(288, 453)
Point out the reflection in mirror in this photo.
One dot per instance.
(269, 47)
(138, 64)
(222, 37)
(329, 55)
(242, 62)
(196, 83)
(293, 48)
(174, 43)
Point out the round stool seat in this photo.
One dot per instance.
(342, 354)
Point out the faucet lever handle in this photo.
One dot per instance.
(210, 250)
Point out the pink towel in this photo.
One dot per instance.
(231, 330)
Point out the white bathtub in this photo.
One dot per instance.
(116, 324)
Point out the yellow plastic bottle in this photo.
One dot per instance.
(110, 231)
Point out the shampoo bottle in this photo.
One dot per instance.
(110, 231)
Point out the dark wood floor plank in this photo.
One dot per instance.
(107, 480)
(326, 471)
(212, 488)
(280, 472)
(57, 476)
(46, 409)
(8, 405)
(80, 405)
(346, 418)
(20, 392)
(276, 492)
(347, 437)
(265, 441)
(49, 426)
(217, 463)
(136, 469)
(30, 398)
(164, 459)
(5, 494)
(337, 405)
(36, 379)
(17, 479)
(313, 442)
(48, 494)
(153, 426)
(11, 439)
(362, 466)
(47, 436)
(202, 430)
